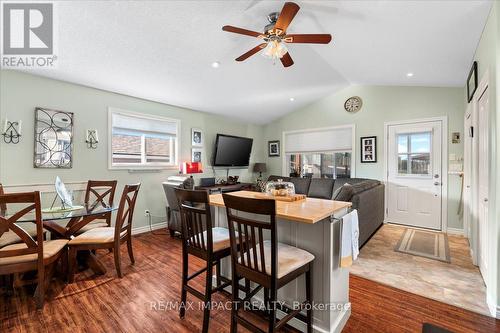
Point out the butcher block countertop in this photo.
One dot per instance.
(310, 210)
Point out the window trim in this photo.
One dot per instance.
(410, 152)
(132, 166)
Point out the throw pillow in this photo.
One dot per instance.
(345, 194)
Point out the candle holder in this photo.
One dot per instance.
(92, 139)
(12, 132)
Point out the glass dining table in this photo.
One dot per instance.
(66, 224)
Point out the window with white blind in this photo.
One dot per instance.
(319, 153)
(142, 141)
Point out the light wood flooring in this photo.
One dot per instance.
(457, 283)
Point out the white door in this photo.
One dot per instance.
(483, 180)
(467, 201)
(414, 174)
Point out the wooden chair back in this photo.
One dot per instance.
(31, 200)
(3, 206)
(195, 218)
(248, 260)
(125, 214)
(100, 192)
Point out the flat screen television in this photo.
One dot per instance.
(232, 151)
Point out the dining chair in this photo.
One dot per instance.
(202, 240)
(109, 237)
(268, 263)
(32, 254)
(99, 192)
(10, 237)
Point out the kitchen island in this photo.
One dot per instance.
(315, 226)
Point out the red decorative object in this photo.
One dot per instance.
(191, 167)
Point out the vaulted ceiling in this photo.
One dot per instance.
(163, 50)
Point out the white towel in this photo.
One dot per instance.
(350, 239)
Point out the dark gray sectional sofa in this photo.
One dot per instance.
(366, 195)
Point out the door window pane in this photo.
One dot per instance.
(420, 164)
(420, 142)
(403, 164)
(402, 143)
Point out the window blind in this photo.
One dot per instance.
(333, 139)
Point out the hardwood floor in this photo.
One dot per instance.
(138, 301)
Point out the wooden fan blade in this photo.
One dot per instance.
(250, 53)
(241, 31)
(308, 38)
(286, 16)
(286, 60)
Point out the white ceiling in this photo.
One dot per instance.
(163, 50)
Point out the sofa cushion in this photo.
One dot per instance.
(345, 193)
(364, 185)
(321, 188)
(301, 184)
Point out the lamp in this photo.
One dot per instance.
(12, 131)
(188, 168)
(92, 138)
(260, 168)
(274, 50)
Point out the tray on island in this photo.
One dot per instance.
(288, 198)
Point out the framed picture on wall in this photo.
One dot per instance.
(274, 148)
(369, 149)
(196, 137)
(472, 82)
(196, 155)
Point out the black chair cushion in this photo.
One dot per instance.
(321, 188)
(345, 193)
(301, 185)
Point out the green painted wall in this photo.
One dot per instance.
(381, 104)
(488, 58)
(19, 95)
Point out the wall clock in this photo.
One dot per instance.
(353, 104)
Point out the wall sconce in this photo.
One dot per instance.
(92, 139)
(12, 131)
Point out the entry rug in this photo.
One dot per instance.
(428, 244)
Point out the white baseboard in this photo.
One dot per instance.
(455, 231)
(146, 228)
(493, 306)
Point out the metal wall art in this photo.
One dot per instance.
(53, 139)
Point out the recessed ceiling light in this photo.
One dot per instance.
(409, 74)
(215, 64)
(292, 99)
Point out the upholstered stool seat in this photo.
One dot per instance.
(10, 237)
(96, 236)
(290, 258)
(50, 249)
(220, 238)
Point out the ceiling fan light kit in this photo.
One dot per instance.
(275, 36)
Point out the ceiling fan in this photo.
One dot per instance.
(275, 36)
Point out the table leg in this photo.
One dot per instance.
(93, 262)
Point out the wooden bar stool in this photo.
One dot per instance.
(266, 262)
(200, 239)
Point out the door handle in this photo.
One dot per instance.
(485, 199)
(437, 183)
(436, 176)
